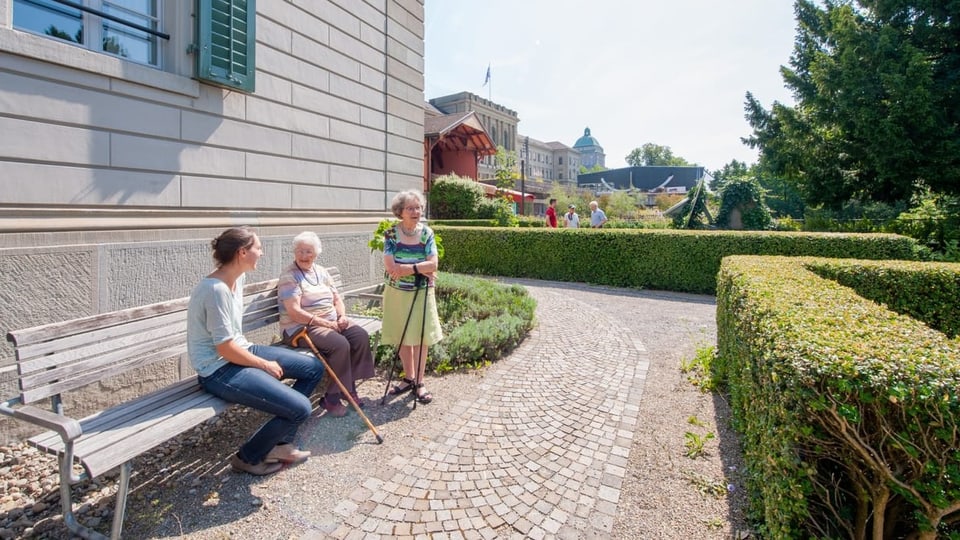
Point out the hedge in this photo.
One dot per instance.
(849, 412)
(673, 260)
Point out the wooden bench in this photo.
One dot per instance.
(57, 358)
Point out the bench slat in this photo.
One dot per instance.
(111, 330)
(103, 351)
(39, 334)
(30, 396)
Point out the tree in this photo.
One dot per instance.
(878, 102)
(596, 168)
(730, 171)
(653, 154)
(505, 163)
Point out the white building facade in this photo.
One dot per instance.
(129, 139)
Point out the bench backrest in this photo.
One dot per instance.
(64, 356)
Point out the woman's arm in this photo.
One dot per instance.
(396, 270)
(304, 317)
(235, 354)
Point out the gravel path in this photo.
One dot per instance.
(579, 433)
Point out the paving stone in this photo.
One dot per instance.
(541, 453)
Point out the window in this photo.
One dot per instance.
(226, 35)
(214, 42)
(125, 28)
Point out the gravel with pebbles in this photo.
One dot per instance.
(186, 488)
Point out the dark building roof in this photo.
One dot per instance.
(644, 178)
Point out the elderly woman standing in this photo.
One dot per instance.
(309, 299)
(238, 371)
(411, 261)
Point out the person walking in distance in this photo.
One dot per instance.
(552, 214)
(571, 220)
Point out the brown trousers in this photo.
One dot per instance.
(347, 353)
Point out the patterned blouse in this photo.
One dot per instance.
(404, 253)
(314, 288)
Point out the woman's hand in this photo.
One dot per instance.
(343, 323)
(273, 369)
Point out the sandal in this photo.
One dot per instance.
(397, 389)
(424, 396)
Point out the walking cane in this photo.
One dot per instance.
(403, 334)
(420, 351)
(303, 334)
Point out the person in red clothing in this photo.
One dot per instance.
(552, 214)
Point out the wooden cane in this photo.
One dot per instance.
(303, 334)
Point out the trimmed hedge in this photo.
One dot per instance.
(672, 260)
(849, 413)
(928, 292)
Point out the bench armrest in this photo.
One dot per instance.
(68, 428)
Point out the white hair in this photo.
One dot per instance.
(310, 238)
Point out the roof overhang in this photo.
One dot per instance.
(458, 132)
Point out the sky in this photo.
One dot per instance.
(672, 73)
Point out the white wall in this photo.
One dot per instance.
(114, 176)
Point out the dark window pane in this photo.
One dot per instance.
(49, 18)
(128, 42)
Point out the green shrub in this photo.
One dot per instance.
(455, 197)
(482, 320)
(670, 260)
(499, 210)
(744, 195)
(928, 292)
(849, 413)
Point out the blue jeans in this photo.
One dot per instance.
(257, 389)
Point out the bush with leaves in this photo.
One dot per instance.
(455, 197)
(746, 196)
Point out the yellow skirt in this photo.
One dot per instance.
(396, 309)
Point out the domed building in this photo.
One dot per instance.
(591, 153)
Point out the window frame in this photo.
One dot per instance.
(176, 74)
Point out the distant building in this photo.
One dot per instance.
(650, 180)
(591, 153)
(548, 161)
(499, 122)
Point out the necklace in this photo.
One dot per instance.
(410, 233)
(315, 276)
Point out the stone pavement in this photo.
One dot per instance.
(540, 452)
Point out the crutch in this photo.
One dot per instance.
(403, 335)
(303, 334)
(420, 351)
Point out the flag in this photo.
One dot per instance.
(487, 80)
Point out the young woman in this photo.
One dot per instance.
(238, 371)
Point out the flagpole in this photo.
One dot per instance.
(486, 82)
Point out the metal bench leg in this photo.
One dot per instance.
(67, 479)
(122, 489)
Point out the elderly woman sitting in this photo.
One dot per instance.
(309, 299)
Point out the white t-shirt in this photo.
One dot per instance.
(572, 221)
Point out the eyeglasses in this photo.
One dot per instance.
(304, 252)
(413, 208)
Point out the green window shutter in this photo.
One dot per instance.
(226, 36)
